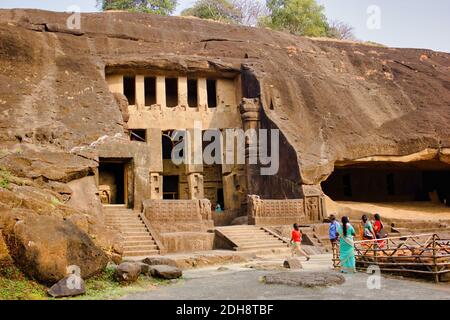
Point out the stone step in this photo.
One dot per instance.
(250, 236)
(140, 253)
(124, 226)
(136, 234)
(260, 247)
(274, 240)
(145, 237)
(139, 247)
(145, 242)
(138, 228)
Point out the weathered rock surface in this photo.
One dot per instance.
(305, 279)
(4, 252)
(165, 272)
(127, 272)
(398, 98)
(69, 286)
(45, 246)
(292, 263)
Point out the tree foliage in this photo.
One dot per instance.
(302, 17)
(340, 30)
(219, 10)
(162, 7)
(251, 11)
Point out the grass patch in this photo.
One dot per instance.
(15, 286)
(104, 286)
(5, 176)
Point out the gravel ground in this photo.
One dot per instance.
(242, 283)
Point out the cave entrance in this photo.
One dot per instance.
(113, 181)
(420, 181)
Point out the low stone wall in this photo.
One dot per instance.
(224, 218)
(285, 212)
(168, 216)
(187, 241)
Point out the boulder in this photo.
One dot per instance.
(116, 258)
(165, 272)
(127, 272)
(44, 247)
(292, 263)
(80, 221)
(69, 286)
(305, 279)
(160, 261)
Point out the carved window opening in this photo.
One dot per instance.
(167, 146)
(129, 89)
(138, 135)
(192, 93)
(171, 92)
(150, 90)
(211, 88)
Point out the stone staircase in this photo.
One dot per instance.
(312, 237)
(249, 237)
(137, 239)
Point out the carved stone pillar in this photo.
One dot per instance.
(250, 115)
(196, 187)
(156, 185)
(194, 166)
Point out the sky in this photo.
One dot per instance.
(396, 23)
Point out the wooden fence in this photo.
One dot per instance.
(424, 254)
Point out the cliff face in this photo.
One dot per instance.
(333, 101)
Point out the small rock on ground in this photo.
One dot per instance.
(127, 272)
(69, 286)
(165, 272)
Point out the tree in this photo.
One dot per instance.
(219, 10)
(251, 11)
(302, 17)
(340, 30)
(162, 7)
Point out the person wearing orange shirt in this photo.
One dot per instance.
(296, 241)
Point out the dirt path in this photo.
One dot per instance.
(239, 282)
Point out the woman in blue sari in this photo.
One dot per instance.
(347, 246)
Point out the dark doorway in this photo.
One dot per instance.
(129, 89)
(150, 90)
(211, 88)
(170, 187)
(171, 92)
(112, 182)
(192, 93)
(220, 198)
